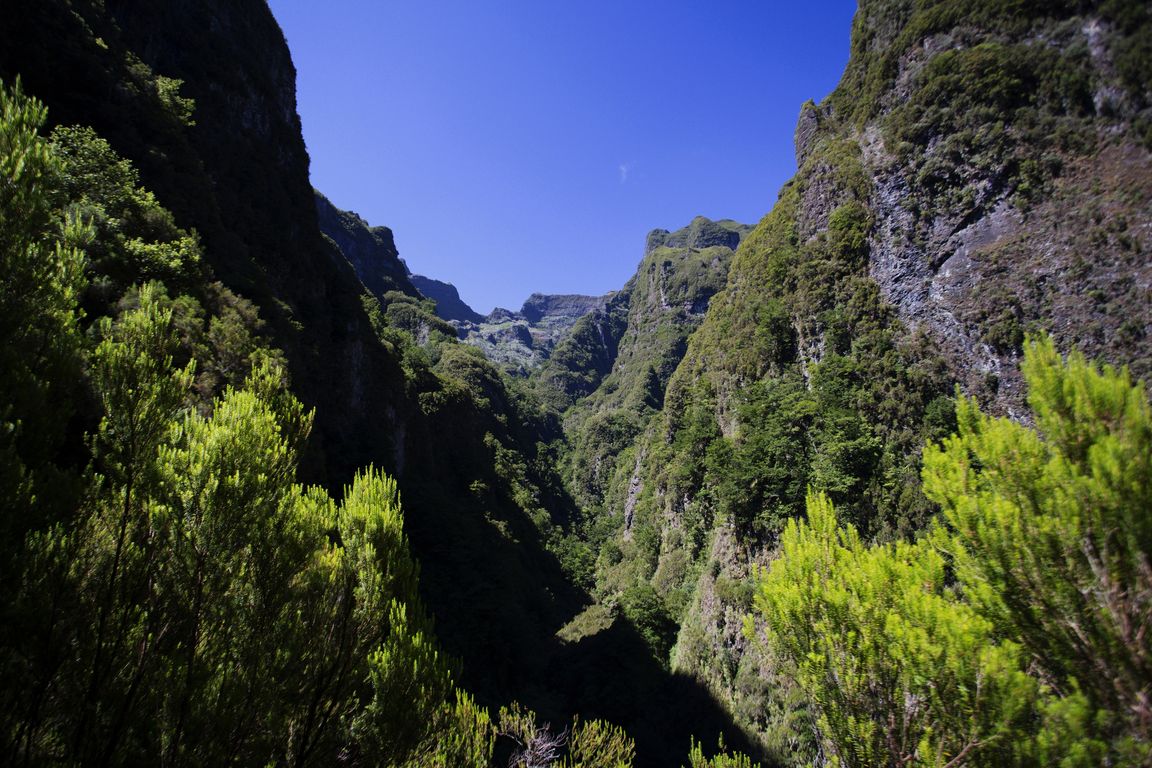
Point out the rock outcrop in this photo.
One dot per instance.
(449, 305)
(370, 250)
(648, 322)
(523, 340)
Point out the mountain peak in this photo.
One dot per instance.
(700, 233)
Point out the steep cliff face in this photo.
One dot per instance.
(522, 341)
(540, 307)
(990, 227)
(610, 373)
(200, 95)
(645, 324)
(230, 164)
(981, 172)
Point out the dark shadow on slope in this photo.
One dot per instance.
(499, 598)
(236, 173)
(612, 675)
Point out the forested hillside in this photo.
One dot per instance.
(981, 174)
(837, 489)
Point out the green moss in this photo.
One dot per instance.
(883, 32)
(1132, 47)
(985, 113)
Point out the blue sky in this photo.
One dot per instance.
(530, 145)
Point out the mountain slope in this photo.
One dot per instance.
(523, 341)
(614, 366)
(587, 536)
(938, 215)
(230, 164)
(520, 342)
(449, 305)
(678, 275)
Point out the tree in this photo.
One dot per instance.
(1015, 632)
(594, 744)
(41, 273)
(1053, 537)
(901, 671)
(722, 759)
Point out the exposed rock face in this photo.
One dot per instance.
(806, 128)
(449, 305)
(1073, 265)
(1044, 236)
(522, 341)
(370, 250)
(540, 307)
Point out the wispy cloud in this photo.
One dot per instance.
(624, 169)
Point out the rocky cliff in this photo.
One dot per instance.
(540, 307)
(201, 96)
(370, 250)
(610, 373)
(982, 172)
(647, 323)
(988, 227)
(518, 341)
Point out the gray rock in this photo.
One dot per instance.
(807, 126)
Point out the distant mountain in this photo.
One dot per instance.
(522, 341)
(540, 307)
(647, 323)
(518, 340)
(449, 305)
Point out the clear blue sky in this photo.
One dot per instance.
(529, 145)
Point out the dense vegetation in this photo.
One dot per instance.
(1012, 632)
(955, 124)
(171, 593)
(609, 375)
(799, 376)
(710, 513)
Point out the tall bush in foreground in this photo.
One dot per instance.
(1016, 632)
(1053, 533)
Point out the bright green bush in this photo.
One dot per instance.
(1013, 635)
